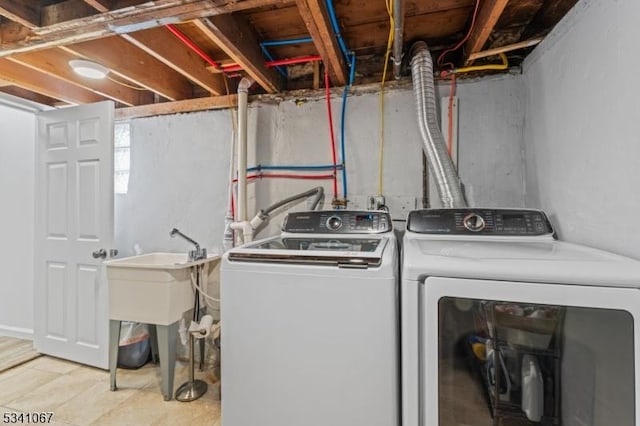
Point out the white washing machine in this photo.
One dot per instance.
(502, 323)
(310, 324)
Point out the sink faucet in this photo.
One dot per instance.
(198, 253)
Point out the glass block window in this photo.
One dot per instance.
(122, 140)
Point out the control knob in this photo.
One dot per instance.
(473, 222)
(334, 223)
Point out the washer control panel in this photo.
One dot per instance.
(337, 222)
(501, 222)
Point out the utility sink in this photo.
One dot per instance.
(153, 288)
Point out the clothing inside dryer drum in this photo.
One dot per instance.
(531, 364)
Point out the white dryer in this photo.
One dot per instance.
(502, 323)
(310, 324)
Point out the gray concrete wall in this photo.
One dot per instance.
(582, 127)
(178, 178)
(491, 147)
(179, 163)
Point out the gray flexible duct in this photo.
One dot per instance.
(317, 191)
(434, 145)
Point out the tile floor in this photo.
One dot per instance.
(78, 395)
(15, 351)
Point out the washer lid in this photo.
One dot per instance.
(342, 251)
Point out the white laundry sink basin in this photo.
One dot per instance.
(153, 288)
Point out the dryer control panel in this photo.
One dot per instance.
(337, 222)
(497, 222)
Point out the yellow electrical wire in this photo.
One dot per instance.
(389, 4)
(503, 66)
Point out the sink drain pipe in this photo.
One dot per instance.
(434, 145)
(242, 224)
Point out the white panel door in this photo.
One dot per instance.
(74, 220)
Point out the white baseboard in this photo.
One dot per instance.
(17, 332)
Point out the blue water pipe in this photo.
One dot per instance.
(286, 41)
(294, 168)
(336, 29)
(351, 60)
(267, 54)
(343, 155)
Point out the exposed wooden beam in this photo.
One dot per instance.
(146, 15)
(198, 104)
(54, 62)
(131, 63)
(25, 12)
(233, 34)
(316, 17)
(162, 45)
(486, 20)
(46, 85)
(29, 95)
(66, 11)
(504, 49)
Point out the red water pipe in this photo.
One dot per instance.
(186, 40)
(234, 67)
(277, 62)
(277, 176)
(333, 139)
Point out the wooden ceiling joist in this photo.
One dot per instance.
(39, 82)
(146, 15)
(19, 92)
(504, 49)
(488, 16)
(55, 62)
(233, 34)
(316, 17)
(66, 11)
(25, 12)
(162, 45)
(131, 63)
(99, 5)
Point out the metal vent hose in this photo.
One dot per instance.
(434, 145)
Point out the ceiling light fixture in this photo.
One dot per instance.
(88, 69)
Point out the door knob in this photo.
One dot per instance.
(113, 252)
(102, 253)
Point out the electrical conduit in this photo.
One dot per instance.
(441, 166)
(398, 18)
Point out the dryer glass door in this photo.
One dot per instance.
(512, 353)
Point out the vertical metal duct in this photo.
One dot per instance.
(435, 147)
